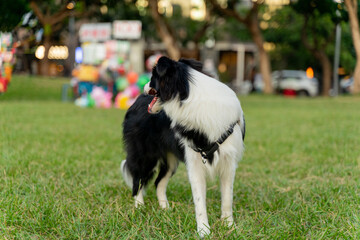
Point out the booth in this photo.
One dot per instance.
(109, 64)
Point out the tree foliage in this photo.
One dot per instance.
(11, 12)
(283, 30)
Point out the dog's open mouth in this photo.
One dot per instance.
(152, 92)
(151, 105)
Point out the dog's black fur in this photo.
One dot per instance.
(148, 139)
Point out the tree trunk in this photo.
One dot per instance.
(356, 75)
(45, 62)
(320, 55)
(265, 67)
(326, 72)
(352, 7)
(162, 29)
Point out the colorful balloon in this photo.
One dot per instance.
(122, 102)
(132, 77)
(143, 80)
(134, 90)
(91, 101)
(3, 84)
(121, 84)
(121, 70)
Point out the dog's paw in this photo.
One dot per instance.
(230, 224)
(203, 231)
(228, 219)
(139, 204)
(164, 204)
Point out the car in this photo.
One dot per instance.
(296, 82)
(347, 84)
(290, 82)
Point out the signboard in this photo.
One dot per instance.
(95, 32)
(127, 29)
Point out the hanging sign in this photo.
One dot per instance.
(127, 29)
(95, 32)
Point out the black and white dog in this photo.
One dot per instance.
(194, 118)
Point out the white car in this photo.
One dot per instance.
(347, 84)
(295, 80)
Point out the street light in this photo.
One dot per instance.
(335, 90)
(70, 5)
(72, 37)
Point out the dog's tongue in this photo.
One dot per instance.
(152, 104)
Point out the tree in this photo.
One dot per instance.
(174, 40)
(251, 21)
(284, 30)
(318, 32)
(352, 8)
(50, 17)
(11, 13)
(165, 32)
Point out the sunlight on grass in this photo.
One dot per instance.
(60, 179)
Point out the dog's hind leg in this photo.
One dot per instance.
(139, 198)
(167, 169)
(138, 192)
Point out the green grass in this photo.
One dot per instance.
(60, 178)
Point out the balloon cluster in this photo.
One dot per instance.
(97, 98)
(129, 87)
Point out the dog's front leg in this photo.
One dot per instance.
(227, 181)
(197, 178)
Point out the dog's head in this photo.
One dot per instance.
(170, 80)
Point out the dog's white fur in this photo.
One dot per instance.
(210, 108)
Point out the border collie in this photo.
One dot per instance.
(191, 117)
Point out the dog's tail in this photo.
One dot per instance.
(126, 174)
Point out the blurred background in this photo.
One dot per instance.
(289, 47)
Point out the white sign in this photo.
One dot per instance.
(95, 32)
(94, 53)
(127, 29)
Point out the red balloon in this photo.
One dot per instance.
(132, 77)
(3, 84)
(121, 70)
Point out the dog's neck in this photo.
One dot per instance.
(209, 109)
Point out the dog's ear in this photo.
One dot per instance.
(198, 66)
(163, 65)
(172, 79)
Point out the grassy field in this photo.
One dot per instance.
(60, 178)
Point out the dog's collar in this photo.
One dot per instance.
(212, 148)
